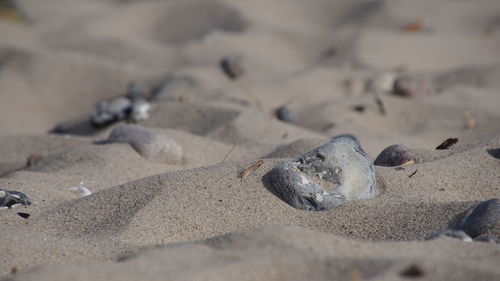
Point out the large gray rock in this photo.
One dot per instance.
(325, 177)
(148, 143)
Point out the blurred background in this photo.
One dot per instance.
(414, 72)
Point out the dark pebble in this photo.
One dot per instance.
(481, 218)
(395, 155)
(284, 114)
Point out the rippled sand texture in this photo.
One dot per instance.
(169, 199)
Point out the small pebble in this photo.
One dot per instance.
(132, 106)
(396, 155)
(10, 198)
(325, 177)
(412, 87)
(148, 143)
(413, 271)
(24, 215)
(231, 67)
(284, 114)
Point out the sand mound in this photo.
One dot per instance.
(291, 253)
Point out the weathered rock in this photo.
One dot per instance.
(148, 143)
(481, 218)
(325, 177)
(9, 198)
(396, 155)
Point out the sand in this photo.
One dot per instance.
(195, 219)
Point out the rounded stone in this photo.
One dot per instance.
(481, 218)
(148, 143)
(395, 155)
(283, 113)
(325, 177)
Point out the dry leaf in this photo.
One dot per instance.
(413, 26)
(447, 143)
(245, 173)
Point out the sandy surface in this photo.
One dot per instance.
(195, 219)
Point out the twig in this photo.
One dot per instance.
(412, 174)
(245, 173)
(229, 152)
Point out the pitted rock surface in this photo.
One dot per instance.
(325, 177)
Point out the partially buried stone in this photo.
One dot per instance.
(284, 114)
(9, 198)
(231, 67)
(481, 218)
(412, 86)
(396, 155)
(325, 177)
(130, 106)
(148, 143)
(110, 111)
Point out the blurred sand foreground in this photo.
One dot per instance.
(177, 210)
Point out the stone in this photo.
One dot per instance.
(283, 113)
(110, 111)
(412, 86)
(325, 177)
(396, 155)
(151, 145)
(481, 218)
(10, 198)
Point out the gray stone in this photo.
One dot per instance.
(395, 155)
(110, 111)
(148, 143)
(325, 177)
(481, 218)
(9, 198)
(283, 113)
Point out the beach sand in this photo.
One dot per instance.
(161, 218)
